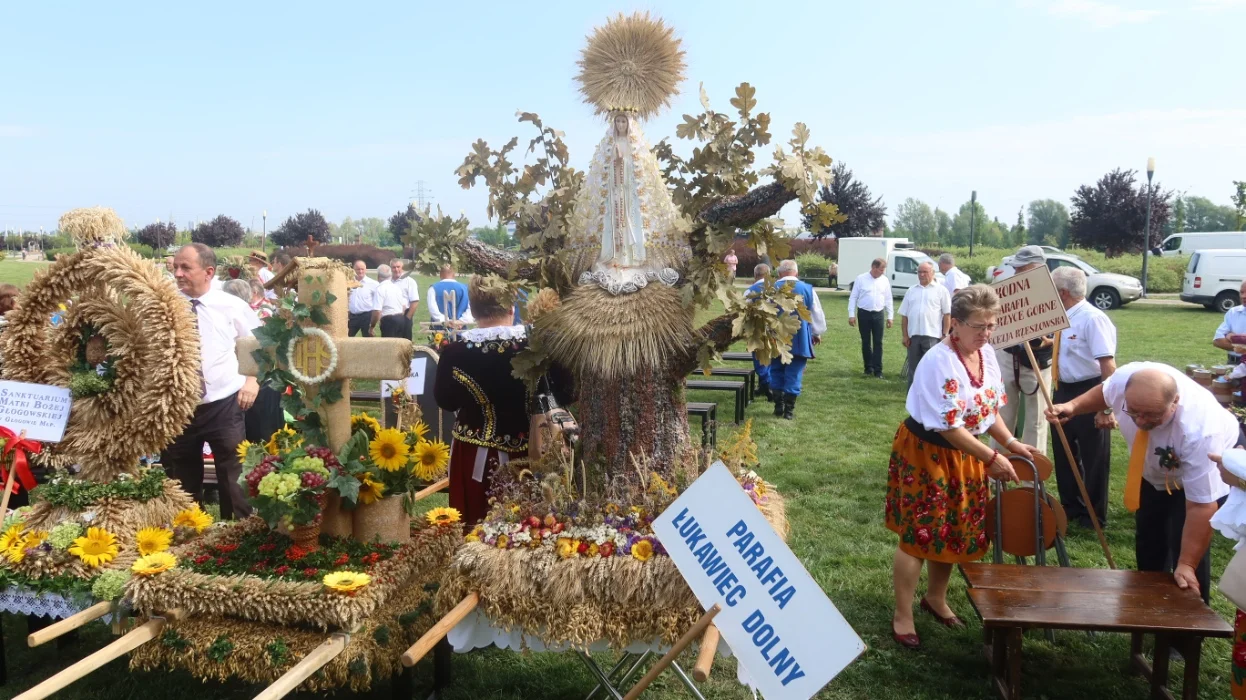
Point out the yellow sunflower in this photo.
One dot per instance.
(346, 581)
(431, 458)
(242, 449)
(10, 537)
(96, 549)
(17, 551)
(443, 516)
(370, 491)
(643, 550)
(153, 539)
(366, 423)
(193, 518)
(283, 441)
(389, 450)
(154, 563)
(419, 430)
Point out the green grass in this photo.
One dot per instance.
(18, 272)
(831, 466)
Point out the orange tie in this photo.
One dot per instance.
(1133, 481)
(1055, 363)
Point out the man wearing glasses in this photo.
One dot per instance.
(1171, 425)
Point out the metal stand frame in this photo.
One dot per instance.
(623, 671)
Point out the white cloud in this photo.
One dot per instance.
(1101, 15)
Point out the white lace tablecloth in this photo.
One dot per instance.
(23, 601)
(477, 631)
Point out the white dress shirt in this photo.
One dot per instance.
(222, 319)
(435, 315)
(817, 319)
(870, 293)
(1199, 426)
(265, 275)
(925, 307)
(1089, 337)
(391, 298)
(954, 279)
(410, 288)
(363, 297)
(1234, 322)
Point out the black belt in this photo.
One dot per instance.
(924, 435)
(1086, 383)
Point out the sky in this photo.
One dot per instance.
(189, 110)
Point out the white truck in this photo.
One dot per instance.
(1187, 242)
(856, 255)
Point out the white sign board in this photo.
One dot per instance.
(1029, 308)
(779, 623)
(414, 383)
(41, 410)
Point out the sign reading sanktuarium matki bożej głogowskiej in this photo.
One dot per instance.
(778, 622)
(40, 410)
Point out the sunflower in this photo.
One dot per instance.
(419, 430)
(153, 539)
(193, 518)
(443, 516)
(17, 551)
(389, 450)
(96, 549)
(154, 563)
(243, 447)
(10, 537)
(366, 423)
(283, 441)
(643, 550)
(346, 581)
(431, 458)
(370, 491)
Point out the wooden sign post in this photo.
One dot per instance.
(1031, 308)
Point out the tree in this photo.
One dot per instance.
(1178, 224)
(400, 223)
(348, 231)
(493, 235)
(866, 216)
(1239, 203)
(372, 230)
(1111, 215)
(1017, 238)
(960, 225)
(295, 230)
(943, 226)
(157, 235)
(1049, 223)
(1202, 214)
(219, 232)
(915, 220)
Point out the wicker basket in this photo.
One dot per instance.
(306, 536)
(384, 520)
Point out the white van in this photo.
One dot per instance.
(1214, 278)
(1186, 243)
(857, 253)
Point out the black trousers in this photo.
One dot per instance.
(221, 425)
(359, 324)
(395, 326)
(1092, 448)
(919, 345)
(264, 417)
(870, 326)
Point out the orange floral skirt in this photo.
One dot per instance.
(936, 500)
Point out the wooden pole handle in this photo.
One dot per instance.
(314, 661)
(433, 488)
(1068, 453)
(8, 491)
(705, 658)
(670, 656)
(72, 622)
(426, 643)
(135, 639)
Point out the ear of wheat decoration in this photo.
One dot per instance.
(631, 64)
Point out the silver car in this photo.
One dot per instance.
(1106, 290)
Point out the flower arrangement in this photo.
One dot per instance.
(288, 488)
(390, 461)
(79, 494)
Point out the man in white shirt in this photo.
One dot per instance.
(391, 305)
(1233, 330)
(362, 303)
(1171, 425)
(925, 316)
(1020, 381)
(870, 299)
(1083, 358)
(410, 288)
(953, 279)
(222, 319)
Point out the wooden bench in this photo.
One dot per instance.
(738, 356)
(748, 375)
(1011, 599)
(708, 412)
(738, 388)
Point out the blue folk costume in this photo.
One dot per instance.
(786, 379)
(763, 371)
(444, 289)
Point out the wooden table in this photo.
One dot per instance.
(1011, 599)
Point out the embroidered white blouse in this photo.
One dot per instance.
(942, 398)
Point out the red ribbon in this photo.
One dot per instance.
(19, 448)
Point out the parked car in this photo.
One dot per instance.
(1214, 278)
(1106, 290)
(1186, 243)
(858, 253)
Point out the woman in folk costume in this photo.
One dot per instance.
(937, 479)
(474, 380)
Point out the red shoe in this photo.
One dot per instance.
(952, 622)
(908, 641)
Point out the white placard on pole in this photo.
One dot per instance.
(41, 410)
(779, 624)
(414, 383)
(1029, 308)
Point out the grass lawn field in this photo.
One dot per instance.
(831, 466)
(19, 272)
